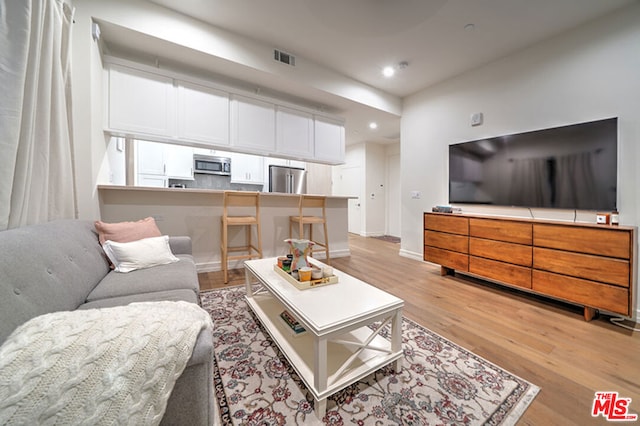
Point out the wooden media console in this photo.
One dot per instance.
(584, 264)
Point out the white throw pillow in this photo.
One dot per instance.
(139, 254)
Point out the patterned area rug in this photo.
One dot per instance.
(440, 383)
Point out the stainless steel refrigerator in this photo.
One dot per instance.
(291, 180)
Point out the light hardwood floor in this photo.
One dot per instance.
(545, 342)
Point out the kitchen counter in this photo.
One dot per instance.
(196, 213)
(203, 191)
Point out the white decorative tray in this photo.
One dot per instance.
(304, 285)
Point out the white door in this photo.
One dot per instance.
(393, 195)
(351, 184)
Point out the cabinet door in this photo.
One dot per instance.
(253, 124)
(294, 133)
(203, 114)
(179, 162)
(152, 180)
(247, 168)
(141, 102)
(328, 140)
(150, 158)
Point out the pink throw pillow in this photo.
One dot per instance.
(125, 232)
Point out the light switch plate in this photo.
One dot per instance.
(476, 118)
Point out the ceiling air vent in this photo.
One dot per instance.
(283, 57)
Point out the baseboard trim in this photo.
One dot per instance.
(217, 266)
(411, 254)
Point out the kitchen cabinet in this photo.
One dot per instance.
(155, 181)
(246, 168)
(141, 102)
(294, 133)
(329, 140)
(179, 162)
(150, 158)
(253, 124)
(158, 162)
(155, 104)
(203, 114)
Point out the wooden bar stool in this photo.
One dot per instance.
(242, 203)
(317, 205)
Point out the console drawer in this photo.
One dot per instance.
(604, 269)
(501, 230)
(449, 259)
(441, 240)
(583, 292)
(498, 250)
(604, 242)
(447, 223)
(500, 271)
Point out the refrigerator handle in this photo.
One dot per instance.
(289, 183)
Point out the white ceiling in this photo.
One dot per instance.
(357, 38)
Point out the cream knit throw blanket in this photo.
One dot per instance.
(113, 366)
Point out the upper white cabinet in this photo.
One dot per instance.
(294, 133)
(328, 140)
(253, 124)
(141, 102)
(203, 114)
(247, 168)
(165, 106)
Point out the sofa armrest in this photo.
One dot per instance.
(180, 245)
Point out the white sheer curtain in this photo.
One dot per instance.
(576, 181)
(36, 147)
(529, 182)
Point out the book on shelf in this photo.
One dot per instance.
(292, 322)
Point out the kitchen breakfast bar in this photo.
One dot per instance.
(197, 212)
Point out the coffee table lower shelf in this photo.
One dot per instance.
(299, 350)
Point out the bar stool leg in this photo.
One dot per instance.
(326, 243)
(259, 240)
(223, 250)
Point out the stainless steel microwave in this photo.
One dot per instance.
(211, 165)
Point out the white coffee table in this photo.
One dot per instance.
(338, 348)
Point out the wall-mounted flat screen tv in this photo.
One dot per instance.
(569, 167)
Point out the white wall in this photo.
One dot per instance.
(393, 201)
(587, 74)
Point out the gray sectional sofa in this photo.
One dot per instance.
(60, 266)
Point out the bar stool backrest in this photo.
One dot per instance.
(241, 199)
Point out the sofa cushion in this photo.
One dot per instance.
(46, 268)
(124, 232)
(186, 295)
(144, 253)
(178, 275)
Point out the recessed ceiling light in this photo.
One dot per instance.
(469, 27)
(373, 125)
(388, 71)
